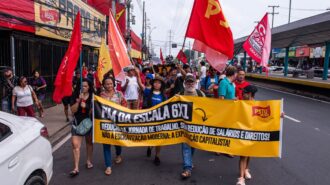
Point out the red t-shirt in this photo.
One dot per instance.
(239, 89)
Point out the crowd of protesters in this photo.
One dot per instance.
(143, 87)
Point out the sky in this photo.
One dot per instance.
(166, 15)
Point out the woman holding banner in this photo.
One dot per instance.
(111, 94)
(153, 97)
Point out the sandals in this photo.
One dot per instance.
(89, 165)
(118, 159)
(108, 171)
(74, 173)
(186, 174)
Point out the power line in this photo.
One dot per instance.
(303, 9)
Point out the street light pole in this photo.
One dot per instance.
(290, 11)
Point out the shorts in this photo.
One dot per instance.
(66, 100)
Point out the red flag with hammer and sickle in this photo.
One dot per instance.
(211, 31)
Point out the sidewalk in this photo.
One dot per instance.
(55, 121)
(301, 80)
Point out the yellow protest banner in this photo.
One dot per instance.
(245, 128)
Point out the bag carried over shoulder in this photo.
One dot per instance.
(83, 127)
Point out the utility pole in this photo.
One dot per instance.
(273, 13)
(143, 42)
(170, 43)
(114, 8)
(145, 35)
(128, 31)
(290, 11)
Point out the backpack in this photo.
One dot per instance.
(199, 93)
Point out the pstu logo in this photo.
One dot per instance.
(263, 112)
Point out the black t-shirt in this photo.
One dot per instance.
(178, 86)
(82, 114)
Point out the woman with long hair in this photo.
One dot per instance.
(81, 107)
(117, 97)
(154, 97)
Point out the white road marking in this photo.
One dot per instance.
(317, 129)
(292, 119)
(292, 94)
(58, 145)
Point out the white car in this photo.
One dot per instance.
(25, 152)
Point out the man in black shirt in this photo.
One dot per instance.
(175, 85)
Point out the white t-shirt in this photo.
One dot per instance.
(24, 96)
(132, 89)
(203, 72)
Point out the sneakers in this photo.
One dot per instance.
(240, 181)
(157, 161)
(247, 174)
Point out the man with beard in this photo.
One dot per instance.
(187, 151)
(7, 85)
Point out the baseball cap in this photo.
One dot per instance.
(190, 78)
(150, 76)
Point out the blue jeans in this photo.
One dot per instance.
(187, 154)
(6, 104)
(107, 154)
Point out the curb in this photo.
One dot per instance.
(298, 81)
(60, 134)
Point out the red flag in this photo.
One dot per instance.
(258, 44)
(63, 81)
(182, 57)
(118, 50)
(161, 56)
(211, 31)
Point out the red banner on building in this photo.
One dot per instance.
(17, 15)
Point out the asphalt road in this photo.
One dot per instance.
(305, 159)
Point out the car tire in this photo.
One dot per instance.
(35, 180)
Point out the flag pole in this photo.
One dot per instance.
(80, 64)
(236, 53)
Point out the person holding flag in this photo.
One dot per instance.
(258, 44)
(63, 81)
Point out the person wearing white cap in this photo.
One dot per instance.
(131, 88)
